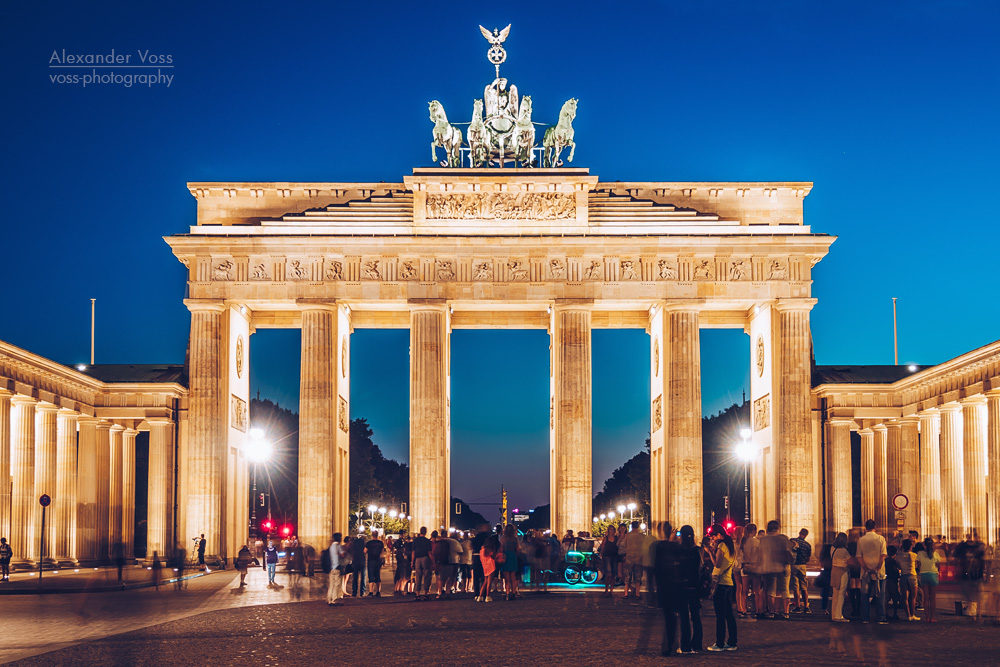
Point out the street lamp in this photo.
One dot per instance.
(745, 452)
(258, 450)
(631, 511)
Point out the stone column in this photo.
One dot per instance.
(838, 476)
(86, 513)
(115, 500)
(5, 471)
(868, 510)
(974, 458)
(102, 515)
(682, 375)
(429, 420)
(993, 466)
(160, 496)
(571, 477)
(881, 487)
(207, 426)
(930, 473)
(65, 502)
(23, 501)
(893, 447)
(909, 470)
(45, 478)
(952, 473)
(128, 492)
(317, 424)
(792, 343)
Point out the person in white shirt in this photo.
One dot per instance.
(334, 585)
(872, 553)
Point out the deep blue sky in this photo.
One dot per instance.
(890, 109)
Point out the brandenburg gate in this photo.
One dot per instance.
(449, 248)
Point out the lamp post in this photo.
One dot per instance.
(631, 511)
(258, 450)
(745, 452)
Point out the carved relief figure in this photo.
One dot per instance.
(299, 272)
(704, 270)
(738, 270)
(343, 357)
(667, 272)
(371, 270)
(656, 357)
(777, 270)
(762, 413)
(445, 271)
(760, 356)
(501, 206)
(483, 271)
(518, 272)
(335, 271)
(628, 270)
(657, 413)
(557, 269)
(238, 414)
(407, 271)
(260, 272)
(223, 271)
(595, 271)
(342, 420)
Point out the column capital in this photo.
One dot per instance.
(325, 305)
(46, 407)
(683, 305)
(117, 428)
(840, 421)
(866, 432)
(973, 401)
(87, 420)
(992, 394)
(5, 393)
(879, 428)
(572, 304)
(206, 305)
(435, 305)
(103, 425)
(159, 421)
(67, 413)
(130, 433)
(21, 399)
(929, 413)
(949, 408)
(910, 419)
(794, 304)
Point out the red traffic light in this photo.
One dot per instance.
(729, 526)
(267, 525)
(286, 530)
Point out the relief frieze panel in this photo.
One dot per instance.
(501, 206)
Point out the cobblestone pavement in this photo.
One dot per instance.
(210, 624)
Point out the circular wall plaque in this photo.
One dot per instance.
(760, 356)
(239, 356)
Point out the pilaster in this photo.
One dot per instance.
(993, 466)
(838, 476)
(571, 460)
(792, 343)
(128, 492)
(160, 497)
(5, 468)
(317, 423)
(22, 527)
(868, 510)
(430, 432)
(682, 391)
(974, 460)
(86, 511)
(881, 486)
(65, 505)
(909, 470)
(952, 473)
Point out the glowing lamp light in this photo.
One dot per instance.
(631, 507)
(745, 450)
(372, 508)
(81, 367)
(611, 515)
(642, 526)
(603, 517)
(621, 509)
(286, 530)
(596, 519)
(381, 510)
(393, 513)
(912, 368)
(258, 449)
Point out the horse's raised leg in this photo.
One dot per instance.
(572, 149)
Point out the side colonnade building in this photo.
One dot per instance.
(72, 433)
(927, 436)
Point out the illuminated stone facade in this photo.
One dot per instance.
(552, 249)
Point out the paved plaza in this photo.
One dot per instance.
(214, 622)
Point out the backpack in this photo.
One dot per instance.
(325, 561)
